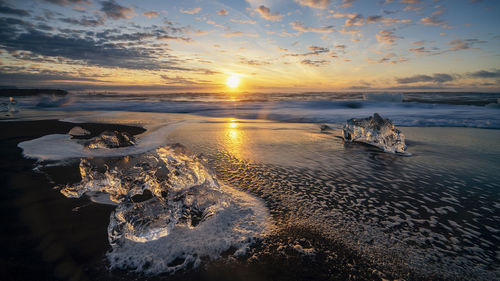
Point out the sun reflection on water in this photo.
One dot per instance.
(233, 140)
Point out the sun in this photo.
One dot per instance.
(233, 81)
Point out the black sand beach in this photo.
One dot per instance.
(51, 237)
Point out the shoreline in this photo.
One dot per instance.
(87, 257)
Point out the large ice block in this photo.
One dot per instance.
(375, 131)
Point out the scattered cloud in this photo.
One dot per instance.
(151, 14)
(346, 3)
(85, 21)
(266, 14)
(243, 21)
(222, 12)
(72, 48)
(192, 11)
(390, 58)
(432, 20)
(313, 51)
(435, 78)
(459, 44)
(253, 62)
(116, 11)
(300, 27)
(485, 74)
(68, 2)
(318, 4)
(239, 34)
(357, 20)
(316, 63)
(387, 36)
(8, 10)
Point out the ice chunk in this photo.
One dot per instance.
(164, 170)
(325, 128)
(109, 139)
(78, 132)
(188, 215)
(375, 131)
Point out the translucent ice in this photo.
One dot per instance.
(78, 131)
(164, 170)
(110, 140)
(171, 210)
(375, 131)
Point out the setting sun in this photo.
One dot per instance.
(233, 81)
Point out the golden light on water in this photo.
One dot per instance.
(233, 81)
(233, 140)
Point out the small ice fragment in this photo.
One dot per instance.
(78, 132)
(375, 131)
(325, 127)
(12, 107)
(109, 139)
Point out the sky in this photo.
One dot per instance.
(268, 45)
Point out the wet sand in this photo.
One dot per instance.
(48, 236)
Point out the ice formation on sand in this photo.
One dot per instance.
(375, 131)
(78, 132)
(171, 212)
(11, 106)
(109, 139)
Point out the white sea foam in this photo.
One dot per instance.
(62, 146)
(242, 220)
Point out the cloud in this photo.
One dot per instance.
(192, 11)
(265, 13)
(300, 27)
(222, 12)
(387, 36)
(372, 19)
(116, 11)
(253, 62)
(243, 21)
(411, 1)
(354, 19)
(22, 78)
(314, 51)
(85, 21)
(390, 58)
(151, 14)
(459, 44)
(318, 4)
(316, 63)
(485, 74)
(419, 50)
(6, 9)
(432, 20)
(239, 34)
(357, 20)
(435, 78)
(68, 2)
(71, 48)
(346, 3)
(179, 80)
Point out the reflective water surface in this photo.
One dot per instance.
(437, 211)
